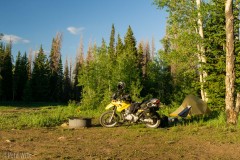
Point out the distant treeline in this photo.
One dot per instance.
(34, 77)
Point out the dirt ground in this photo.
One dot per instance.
(123, 142)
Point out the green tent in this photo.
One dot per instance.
(191, 105)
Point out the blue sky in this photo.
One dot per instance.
(31, 23)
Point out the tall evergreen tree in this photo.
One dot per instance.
(214, 44)
(142, 58)
(119, 46)
(30, 64)
(111, 49)
(143, 52)
(60, 81)
(130, 42)
(40, 77)
(7, 75)
(27, 92)
(147, 55)
(16, 79)
(66, 83)
(1, 66)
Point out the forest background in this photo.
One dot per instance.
(170, 74)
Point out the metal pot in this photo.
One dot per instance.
(79, 122)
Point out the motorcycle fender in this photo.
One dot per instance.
(109, 106)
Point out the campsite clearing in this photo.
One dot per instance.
(124, 142)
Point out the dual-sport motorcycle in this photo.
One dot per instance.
(145, 112)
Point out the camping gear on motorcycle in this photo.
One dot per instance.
(155, 103)
(152, 103)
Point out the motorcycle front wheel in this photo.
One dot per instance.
(109, 119)
(155, 121)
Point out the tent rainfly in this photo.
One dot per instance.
(191, 105)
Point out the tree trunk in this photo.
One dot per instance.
(231, 109)
(201, 55)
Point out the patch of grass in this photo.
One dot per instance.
(47, 116)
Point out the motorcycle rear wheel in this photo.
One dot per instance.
(109, 119)
(156, 121)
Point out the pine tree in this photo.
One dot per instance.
(119, 46)
(147, 56)
(16, 78)
(130, 42)
(27, 92)
(40, 77)
(66, 83)
(59, 86)
(214, 44)
(111, 49)
(1, 66)
(7, 75)
(70, 71)
(29, 64)
(24, 74)
(142, 58)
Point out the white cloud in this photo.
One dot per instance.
(14, 39)
(74, 30)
